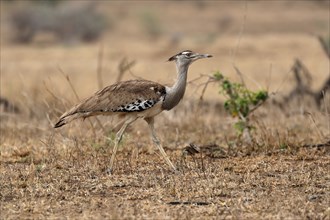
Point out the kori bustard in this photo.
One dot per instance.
(135, 99)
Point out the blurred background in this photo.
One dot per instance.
(97, 43)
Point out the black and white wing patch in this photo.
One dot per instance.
(137, 106)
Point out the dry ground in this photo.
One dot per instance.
(47, 173)
(276, 186)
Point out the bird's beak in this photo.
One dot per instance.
(200, 56)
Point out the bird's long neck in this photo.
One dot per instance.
(175, 93)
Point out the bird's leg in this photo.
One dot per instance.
(155, 139)
(119, 136)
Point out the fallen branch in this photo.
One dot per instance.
(303, 85)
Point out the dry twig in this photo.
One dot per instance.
(124, 66)
(78, 99)
(99, 67)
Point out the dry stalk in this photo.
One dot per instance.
(77, 97)
(66, 76)
(123, 67)
(99, 66)
(241, 32)
(321, 135)
(239, 73)
(198, 78)
(49, 121)
(209, 80)
(28, 104)
(52, 93)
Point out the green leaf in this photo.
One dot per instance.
(218, 76)
(240, 100)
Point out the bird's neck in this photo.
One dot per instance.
(175, 93)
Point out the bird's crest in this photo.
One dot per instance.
(185, 52)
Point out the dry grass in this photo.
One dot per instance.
(275, 186)
(47, 173)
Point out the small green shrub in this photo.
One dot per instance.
(240, 102)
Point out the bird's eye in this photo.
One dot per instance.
(186, 53)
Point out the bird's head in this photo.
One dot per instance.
(187, 57)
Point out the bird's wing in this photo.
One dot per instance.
(126, 96)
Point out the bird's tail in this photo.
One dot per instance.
(78, 111)
(72, 114)
(66, 118)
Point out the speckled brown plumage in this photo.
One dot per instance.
(114, 98)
